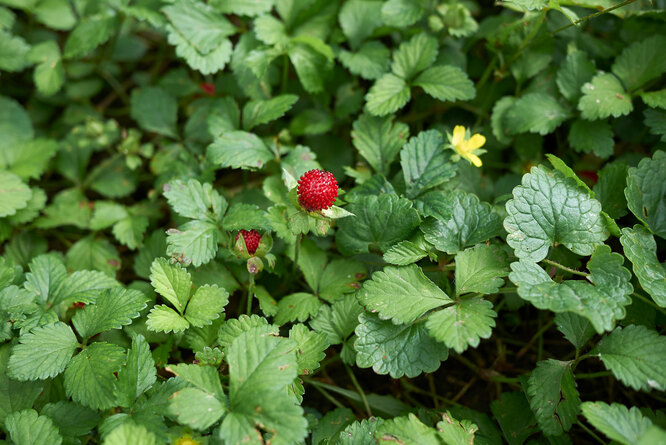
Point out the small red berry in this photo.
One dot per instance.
(317, 190)
(208, 88)
(251, 238)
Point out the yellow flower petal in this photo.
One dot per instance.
(475, 142)
(474, 159)
(458, 135)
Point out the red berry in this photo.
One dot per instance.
(317, 190)
(251, 238)
(208, 88)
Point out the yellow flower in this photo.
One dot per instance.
(467, 147)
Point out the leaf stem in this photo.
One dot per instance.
(534, 338)
(319, 387)
(590, 432)
(568, 269)
(250, 295)
(357, 385)
(593, 375)
(591, 16)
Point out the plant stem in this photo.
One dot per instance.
(591, 16)
(568, 269)
(325, 393)
(285, 74)
(591, 433)
(593, 375)
(536, 336)
(250, 295)
(650, 302)
(352, 376)
(297, 249)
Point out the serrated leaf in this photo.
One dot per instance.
(425, 163)
(130, 432)
(194, 242)
(113, 309)
(15, 125)
(14, 395)
(90, 33)
(311, 66)
(537, 113)
(155, 110)
(401, 13)
(49, 73)
(239, 149)
(549, 208)
(646, 192)
(245, 216)
(164, 319)
(455, 432)
(404, 253)
(463, 324)
(396, 349)
(195, 408)
(89, 377)
(655, 120)
(14, 194)
(595, 136)
(298, 306)
(340, 276)
(259, 112)
(243, 7)
(641, 62)
(194, 200)
(138, 373)
(70, 418)
(604, 96)
(199, 24)
(389, 94)
(380, 222)
(446, 83)
(379, 140)
(370, 61)
(575, 71)
(360, 433)
(206, 305)
(640, 248)
(29, 158)
(601, 302)
(129, 231)
(553, 396)
(231, 329)
(358, 19)
(480, 269)
(575, 328)
(656, 99)
(205, 378)
(26, 427)
(414, 56)
(401, 294)
(616, 421)
(636, 356)
(171, 281)
(209, 63)
(407, 429)
(13, 52)
(82, 286)
(310, 349)
(339, 320)
(47, 273)
(43, 352)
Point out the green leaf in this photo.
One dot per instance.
(389, 94)
(537, 113)
(480, 269)
(446, 83)
(407, 429)
(310, 350)
(654, 434)
(47, 273)
(455, 432)
(171, 281)
(578, 330)
(195, 408)
(15, 126)
(209, 63)
(14, 395)
(513, 413)
(164, 319)
(89, 377)
(618, 423)
(609, 189)
(380, 222)
(138, 373)
(641, 62)
(340, 276)
(360, 433)
(636, 355)
(130, 432)
(129, 231)
(113, 309)
(401, 294)
(205, 378)
(370, 62)
(396, 349)
(245, 216)
(549, 208)
(595, 136)
(49, 73)
(206, 305)
(239, 149)
(655, 120)
(379, 140)
(231, 329)
(339, 320)
(13, 52)
(155, 110)
(466, 221)
(26, 427)
(602, 300)
(641, 249)
(401, 13)
(82, 286)
(574, 72)
(242, 7)
(655, 99)
(194, 200)
(646, 192)
(14, 194)
(154, 247)
(71, 418)
(299, 306)
(259, 112)
(358, 19)
(106, 214)
(194, 243)
(404, 253)
(529, 5)
(311, 66)
(27, 158)
(462, 324)
(90, 33)
(553, 396)
(414, 56)
(425, 163)
(604, 96)
(44, 352)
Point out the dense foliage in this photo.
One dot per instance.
(491, 270)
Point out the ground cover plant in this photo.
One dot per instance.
(332, 222)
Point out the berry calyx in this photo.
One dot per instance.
(317, 190)
(251, 238)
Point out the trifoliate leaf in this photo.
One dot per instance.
(206, 305)
(155, 110)
(43, 352)
(138, 373)
(553, 396)
(401, 13)
(112, 178)
(396, 349)
(595, 136)
(574, 72)
(462, 221)
(480, 269)
(618, 423)
(67, 207)
(407, 429)
(646, 192)
(196, 408)
(194, 242)
(14, 194)
(360, 433)
(130, 432)
(463, 324)
(370, 62)
(401, 294)
(194, 200)
(537, 113)
(548, 209)
(379, 140)
(404, 253)
(414, 56)
(89, 377)
(238, 149)
(601, 302)
(106, 214)
(446, 83)
(340, 276)
(425, 163)
(380, 222)
(339, 320)
(641, 249)
(641, 62)
(14, 395)
(164, 319)
(358, 19)
(604, 96)
(389, 94)
(209, 63)
(13, 52)
(575, 328)
(636, 355)
(259, 112)
(26, 427)
(310, 349)
(90, 33)
(171, 281)
(113, 309)
(299, 306)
